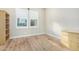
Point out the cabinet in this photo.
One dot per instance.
(70, 40)
(4, 27)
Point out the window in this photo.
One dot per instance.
(33, 18)
(21, 18)
(33, 22)
(21, 22)
(26, 18)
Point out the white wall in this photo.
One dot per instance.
(14, 32)
(59, 19)
(52, 21)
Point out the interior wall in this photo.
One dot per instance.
(51, 20)
(14, 32)
(60, 19)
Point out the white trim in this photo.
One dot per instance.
(53, 36)
(26, 35)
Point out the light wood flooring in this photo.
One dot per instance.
(33, 43)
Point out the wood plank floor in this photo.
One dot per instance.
(33, 43)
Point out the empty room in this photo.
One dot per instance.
(39, 29)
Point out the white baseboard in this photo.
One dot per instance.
(53, 36)
(34, 35)
(26, 35)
